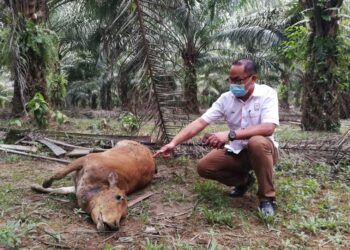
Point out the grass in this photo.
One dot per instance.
(313, 206)
(13, 231)
(220, 217)
(141, 212)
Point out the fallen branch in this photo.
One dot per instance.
(65, 144)
(31, 149)
(78, 152)
(179, 214)
(110, 237)
(140, 198)
(64, 134)
(55, 245)
(34, 156)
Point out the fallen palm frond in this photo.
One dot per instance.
(34, 155)
(328, 150)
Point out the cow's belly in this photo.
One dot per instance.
(96, 177)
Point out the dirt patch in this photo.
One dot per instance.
(173, 216)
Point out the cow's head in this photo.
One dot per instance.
(109, 206)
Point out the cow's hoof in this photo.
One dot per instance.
(47, 183)
(37, 188)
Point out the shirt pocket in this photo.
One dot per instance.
(233, 120)
(254, 117)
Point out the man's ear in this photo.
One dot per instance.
(254, 77)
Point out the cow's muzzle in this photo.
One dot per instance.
(104, 226)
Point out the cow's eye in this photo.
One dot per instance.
(118, 197)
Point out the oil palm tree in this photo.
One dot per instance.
(134, 45)
(31, 49)
(258, 31)
(193, 24)
(320, 103)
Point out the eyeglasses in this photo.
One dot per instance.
(236, 79)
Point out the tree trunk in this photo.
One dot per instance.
(284, 93)
(36, 78)
(320, 101)
(94, 97)
(345, 105)
(190, 84)
(124, 91)
(106, 95)
(17, 102)
(29, 76)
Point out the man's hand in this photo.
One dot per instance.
(216, 140)
(165, 150)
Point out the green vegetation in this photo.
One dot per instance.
(129, 122)
(12, 232)
(179, 63)
(189, 212)
(40, 110)
(144, 62)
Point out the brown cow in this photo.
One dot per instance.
(102, 181)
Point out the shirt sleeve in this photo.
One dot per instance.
(270, 109)
(215, 112)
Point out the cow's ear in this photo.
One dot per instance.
(112, 179)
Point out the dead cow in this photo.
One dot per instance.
(103, 180)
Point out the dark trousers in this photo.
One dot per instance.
(232, 169)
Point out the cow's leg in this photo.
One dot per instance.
(73, 166)
(61, 190)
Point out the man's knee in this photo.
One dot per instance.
(202, 168)
(258, 143)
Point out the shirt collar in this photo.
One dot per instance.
(257, 90)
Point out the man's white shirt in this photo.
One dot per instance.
(261, 107)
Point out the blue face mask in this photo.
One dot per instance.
(237, 89)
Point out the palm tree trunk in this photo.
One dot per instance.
(190, 83)
(30, 77)
(320, 102)
(345, 105)
(18, 105)
(106, 95)
(284, 94)
(190, 90)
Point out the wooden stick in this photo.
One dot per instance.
(112, 236)
(78, 152)
(31, 149)
(140, 198)
(55, 245)
(34, 156)
(65, 144)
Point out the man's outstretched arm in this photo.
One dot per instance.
(188, 132)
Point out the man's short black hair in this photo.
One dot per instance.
(249, 66)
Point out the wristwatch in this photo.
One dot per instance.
(231, 135)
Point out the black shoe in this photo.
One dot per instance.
(240, 190)
(267, 208)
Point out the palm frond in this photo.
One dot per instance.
(259, 25)
(82, 90)
(148, 51)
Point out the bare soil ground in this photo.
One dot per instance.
(172, 218)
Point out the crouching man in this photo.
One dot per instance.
(251, 112)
